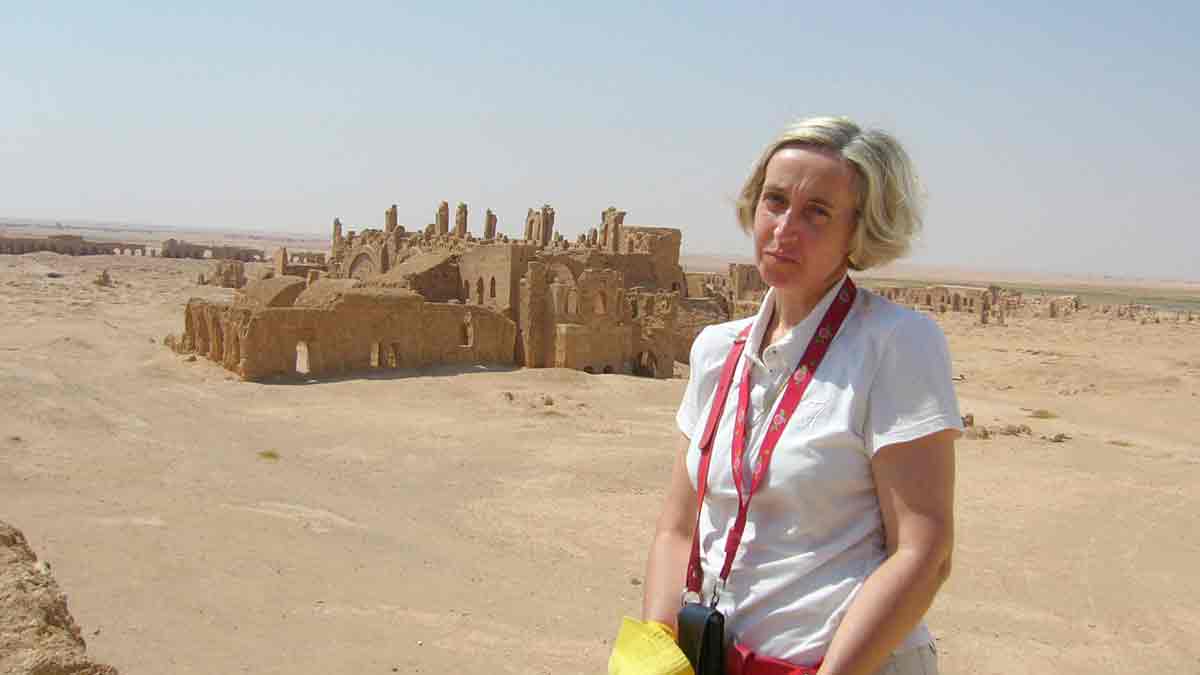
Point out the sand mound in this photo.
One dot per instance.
(38, 635)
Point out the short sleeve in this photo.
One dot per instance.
(703, 373)
(912, 394)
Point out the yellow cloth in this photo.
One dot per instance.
(647, 648)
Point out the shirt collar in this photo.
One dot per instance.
(792, 345)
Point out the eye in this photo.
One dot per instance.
(773, 199)
(820, 212)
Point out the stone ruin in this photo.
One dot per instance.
(70, 244)
(614, 299)
(38, 635)
(226, 274)
(391, 298)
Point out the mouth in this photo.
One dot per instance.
(781, 257)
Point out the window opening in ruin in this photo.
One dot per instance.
(601, 305)
(634, 308)
(375, 348)
(466, 291)
(394, 355)
(479, 291)
(675, 286)
(492, 288)
(573, 302)
(302, 358)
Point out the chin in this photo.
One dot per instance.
(776, 274)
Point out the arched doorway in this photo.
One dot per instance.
(646, 365)
(302, 366)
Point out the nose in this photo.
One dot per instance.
(788, 222)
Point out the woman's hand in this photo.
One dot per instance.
(666, 569)
(915, 485)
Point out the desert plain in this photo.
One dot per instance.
(486, 520)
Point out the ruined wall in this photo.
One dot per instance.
(279, 291)
(435, 275)
(69, 244)
(694, 314)
(177, 248)
(745, 283)
(491, 275)
(942, 298)
(365, 329)
(38, 635)
(654, 317)
(228, 274)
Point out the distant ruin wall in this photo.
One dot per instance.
(68, 244)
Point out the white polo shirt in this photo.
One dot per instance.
(814, 531)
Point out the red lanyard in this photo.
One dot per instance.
(796, 385)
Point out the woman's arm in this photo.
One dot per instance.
(915, 484)
(666, 569)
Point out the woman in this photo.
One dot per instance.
(849, 535)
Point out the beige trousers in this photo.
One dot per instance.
(917, 661)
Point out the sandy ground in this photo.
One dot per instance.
(487, 521)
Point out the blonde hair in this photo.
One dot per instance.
(888, 215)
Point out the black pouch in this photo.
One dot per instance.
(702, 637)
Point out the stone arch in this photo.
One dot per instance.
(376, 349)
(479, 291)
(362, 267)
(492, 288)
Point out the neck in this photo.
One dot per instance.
(793, 305)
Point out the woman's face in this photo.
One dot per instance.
(804, 219)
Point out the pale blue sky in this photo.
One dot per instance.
(1050, 139)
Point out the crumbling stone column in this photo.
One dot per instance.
(489, 225)
(443, 219)
(391, 220)
(460, 221)
(612, 222)
(533, 315)
(547, 226)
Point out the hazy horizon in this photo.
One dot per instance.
(1049, 139)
